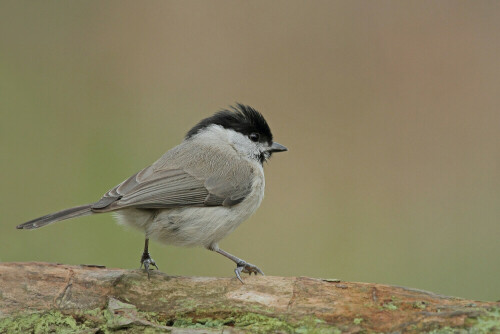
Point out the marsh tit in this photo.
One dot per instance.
(196, 193)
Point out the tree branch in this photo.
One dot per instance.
(40, 297)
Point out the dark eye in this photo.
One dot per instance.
(254, 136)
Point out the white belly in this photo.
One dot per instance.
(195, 226)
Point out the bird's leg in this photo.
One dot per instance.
(146, 259)
(241, 265)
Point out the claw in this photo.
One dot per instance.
(237, 271)
(248, 268)
(146, 260)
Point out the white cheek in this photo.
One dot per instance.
(243, 144)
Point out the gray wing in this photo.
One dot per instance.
(173, 188)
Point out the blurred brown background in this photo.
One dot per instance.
(390, 110)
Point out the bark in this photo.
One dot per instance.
(43, 297)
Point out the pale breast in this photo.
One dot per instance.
(205, 226)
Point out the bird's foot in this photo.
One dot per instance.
(147, 261)
(244, 267)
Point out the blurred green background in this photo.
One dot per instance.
(390, 110)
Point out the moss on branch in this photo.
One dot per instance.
(43, 298)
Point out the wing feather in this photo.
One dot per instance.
(166, 185)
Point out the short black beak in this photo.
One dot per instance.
(276, 147)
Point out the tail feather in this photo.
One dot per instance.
(77, 211)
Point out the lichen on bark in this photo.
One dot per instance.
(42, 298)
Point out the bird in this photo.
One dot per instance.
(197, 192)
